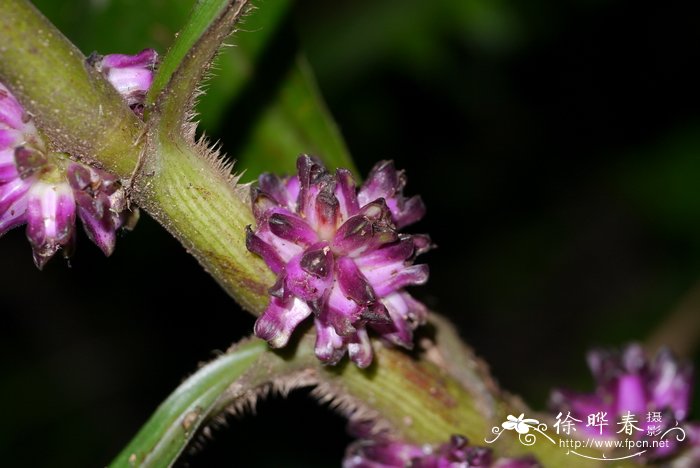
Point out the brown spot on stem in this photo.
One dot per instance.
(190, 418)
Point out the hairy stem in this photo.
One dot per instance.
(199, 205)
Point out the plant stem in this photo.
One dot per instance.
(200, 206)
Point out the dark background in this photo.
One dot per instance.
(556, 145)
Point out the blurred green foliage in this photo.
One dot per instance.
(565, 136)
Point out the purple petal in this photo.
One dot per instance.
(12, 191)
(346, 193)
(324, 213)
(634, 359)
(280, 319)
(310, 275)
(422, 243)
(365, 232)
(263, 204)
(390, 278)
(330, 347)
(383, 181)
(50, 219)
(360, 348)
(381, 454)
(79, 177)
(341, 312)
(128, 81)
(147, 58)
(671, 384)
(285, 249)
(353, 284)
(97, 220)
(8, 170)
(256, 245)
(406, 314)
(14, 215)
(11, 112)
(317, 201)
(292, 228)
(631, 394)
(406, 212)
(396, 253)
(284, 191)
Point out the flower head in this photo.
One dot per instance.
(131, 75)
(384, 452)
(338, 255)
(45, 190)
(629, 383)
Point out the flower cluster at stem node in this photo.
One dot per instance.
(381, 451)
(338, 256)
(47, 190)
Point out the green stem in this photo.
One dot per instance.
(174, 88)
(199, 205)
(80, 112)
(177, 419)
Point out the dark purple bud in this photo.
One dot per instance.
(97, 220)
(265, 250)
(346, 193)
(292, 228)
(281, 191)
(353, 284)
(395, 253)
(79, 177)
(309, 275)
(28, 161)
(386, 182)
(365, 232)
(263, 204)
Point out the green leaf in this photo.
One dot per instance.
(265, 84)
(181, 71)
(175, 422)
(296, 121)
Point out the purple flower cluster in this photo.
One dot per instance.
(626, 381)
(338, 255)
(46, 190)
(382, 452)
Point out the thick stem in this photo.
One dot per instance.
(201, 207)
(80, 112)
